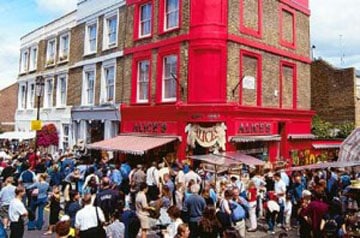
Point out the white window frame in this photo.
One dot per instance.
(148, 20)
(33, 61)
(65, 137)
(171, 79)
(138, 82)
(22, 96)
(166, 28)
(24, 61)
(31, 95)
(48, 102)
(64, 53)
(85, 99)
(106, 34)
(87, 45)
(59, 102)
(104, 84)
(50, 60)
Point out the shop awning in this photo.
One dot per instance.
(18, 135)
(243, 158)
(301, 136)
(326, 146)
(242, 139)
(217, 159)
(336, 164)
(136, 145)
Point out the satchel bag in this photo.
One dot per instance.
(101, 233)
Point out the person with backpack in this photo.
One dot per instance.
(333, 222)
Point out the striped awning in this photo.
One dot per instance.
(128, 144)
(350, 148)
(336, 164)
(326, 146)
(244, 139)
(301, 136)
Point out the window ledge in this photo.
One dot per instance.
(89, 54)
(139, 38)
(170, 30)
(63, 62)
(32, 71)
(50, 65)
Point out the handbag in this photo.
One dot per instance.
(35, 192)
(101, 233)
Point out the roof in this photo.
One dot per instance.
(129, 144)
(239, 139)
(18, 135)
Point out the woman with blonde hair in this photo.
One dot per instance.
(183, 231)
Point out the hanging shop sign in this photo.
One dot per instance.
(206, 136)
(255, 128)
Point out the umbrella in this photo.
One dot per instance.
(350, 148)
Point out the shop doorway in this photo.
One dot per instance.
(283, 142)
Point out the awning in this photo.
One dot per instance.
(301, 136)
(241, 139)
(18, 135)
(137, 145)
(337, 164)
(326, 146)
(243, 158)
(350, 148)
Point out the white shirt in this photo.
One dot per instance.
(152, 176)
(180, 177)
(173, 228)
(16, 209)
(162, 172)
(191, 175)
(280, 188)
(86, 217)
(7, 194)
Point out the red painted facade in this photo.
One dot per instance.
(205, 100)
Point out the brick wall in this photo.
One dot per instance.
(8, 103)
(332, 92)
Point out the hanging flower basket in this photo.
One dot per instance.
(47, 136)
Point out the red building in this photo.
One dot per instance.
(219, 75)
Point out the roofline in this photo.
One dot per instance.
(13, 84)
(53, 21)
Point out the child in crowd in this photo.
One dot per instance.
(272, 209)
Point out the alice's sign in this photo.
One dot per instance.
(255, 128)
(150, 127)
(206, 136)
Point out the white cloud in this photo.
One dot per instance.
(334, 31)
(56, 6)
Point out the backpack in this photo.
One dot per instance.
(331, 226)
(237, 212)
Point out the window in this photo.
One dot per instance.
(31, 98)
(251, 17)
(169, 78)
(50, 52)
(143, 81)
(22, 97)
(145, 19)
(287, 27)
(24, 61)
(288, 85)
(109, 80)
(64, 47)
(61, 90)
(33, 58)
(66, 133)
(171, 14)
(48, 93)
(89, 87)
(110, 32)
(91, 38)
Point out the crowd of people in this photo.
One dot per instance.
(89, 197)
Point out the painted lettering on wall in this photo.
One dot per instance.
(150, 127)
(206, 136)
(255, 128)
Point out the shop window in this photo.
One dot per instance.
(288, 94)
(250, 87)
(251, 17)
(287, 27)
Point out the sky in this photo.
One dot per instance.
(335, 30)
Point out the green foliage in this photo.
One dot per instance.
(322, 129)
(345, 129)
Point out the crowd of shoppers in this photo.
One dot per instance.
(88, 198)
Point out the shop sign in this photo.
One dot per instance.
(255, 128)
(36, 125)
(150, 127)
(206, 136)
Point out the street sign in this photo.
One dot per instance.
(36, 125)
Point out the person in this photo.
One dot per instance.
(333, 223)
(152, 181)
(174, 214)
(280, 191)
(115, 176)
(27, 178)
(179, 195)
(287, 212)
(315, 212)
(252, 198)
(87, 218)
(206, 195)
(138, 177)
(63, 228)
(17, 211)
(142, 209)
(231, 232)
(183, 231)
(91, 175)
(192, 175)
(116, 229)
(209, 225)
(7, 194)
(305, 228)
(73, 207)
(272, 209)
(107, 198)
(42, 188)
(194, 206)
(54, 209)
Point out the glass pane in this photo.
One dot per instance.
(172, 5)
